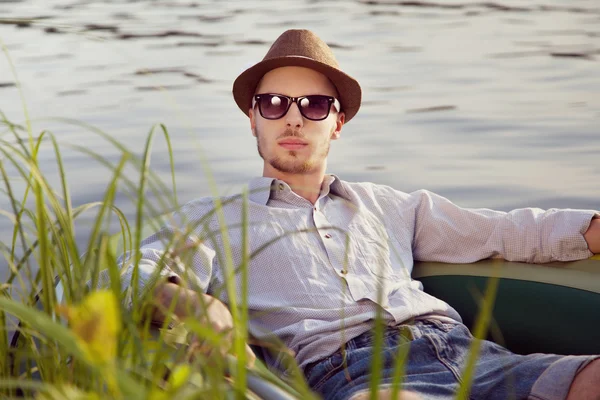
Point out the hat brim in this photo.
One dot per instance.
(348, 88)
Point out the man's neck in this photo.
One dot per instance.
(304, 185)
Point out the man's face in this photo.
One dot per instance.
(294, 144)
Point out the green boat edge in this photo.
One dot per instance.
(539, 308)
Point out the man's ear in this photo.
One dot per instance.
(252, 121)
(341, 118)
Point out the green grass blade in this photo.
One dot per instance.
(41, 322)
(482, 324)
(20, 89)
(241, 325)
(139, 217)
(377, 357)
(97, 226)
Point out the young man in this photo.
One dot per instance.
(327, 255)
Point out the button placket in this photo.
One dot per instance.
(321, 222)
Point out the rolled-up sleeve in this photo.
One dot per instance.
(446, 232)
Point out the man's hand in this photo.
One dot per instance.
(592, 235)
(208, 309)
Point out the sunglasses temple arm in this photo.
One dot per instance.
(336, 104)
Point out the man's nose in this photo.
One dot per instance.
(293, 118)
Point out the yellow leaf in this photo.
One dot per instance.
(96, 322)
(65, 392)
(179, 376)
(159, 395)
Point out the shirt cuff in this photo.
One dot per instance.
(566, 241)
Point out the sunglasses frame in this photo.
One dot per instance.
(332, 101)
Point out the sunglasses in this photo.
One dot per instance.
(315, 107)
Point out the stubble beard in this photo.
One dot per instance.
(293, 166)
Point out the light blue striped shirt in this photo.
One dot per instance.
(319, 272)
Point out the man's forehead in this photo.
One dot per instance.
(295, 81)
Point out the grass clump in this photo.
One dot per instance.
(92, 339)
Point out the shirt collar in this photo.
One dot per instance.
(261, 189)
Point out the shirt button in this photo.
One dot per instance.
(343, 272)
(328, 236)
(281, 186)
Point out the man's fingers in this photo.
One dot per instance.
(250, 357)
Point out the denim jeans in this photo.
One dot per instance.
(437, 353)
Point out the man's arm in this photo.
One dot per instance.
(592, 235)
(187, 259)
(445, 232)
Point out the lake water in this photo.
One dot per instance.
(493, 105)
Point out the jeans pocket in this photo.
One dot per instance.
(325, 369)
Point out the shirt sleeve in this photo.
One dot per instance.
(171, 253)
(445, 232)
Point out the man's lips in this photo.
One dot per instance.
(292, 144)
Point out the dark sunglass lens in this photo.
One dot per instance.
(272, 106)
(315, 107)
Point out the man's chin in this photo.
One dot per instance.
(292, 167)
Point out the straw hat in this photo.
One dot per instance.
(300, 48)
